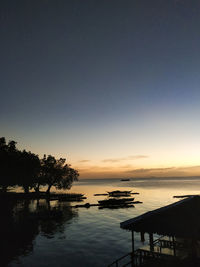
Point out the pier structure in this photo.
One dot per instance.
(173, 236)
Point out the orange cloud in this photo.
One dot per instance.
(121, 171)
(135, 157)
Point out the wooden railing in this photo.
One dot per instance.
(117, 263)
(140, 256)
(135, 260)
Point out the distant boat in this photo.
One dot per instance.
(115, 201)
(118, 193)
(125, 179)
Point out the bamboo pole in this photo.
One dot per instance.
(133, 248)
(142, 236)
(174, 245)
(151, 241)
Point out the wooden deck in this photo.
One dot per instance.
(164, 250)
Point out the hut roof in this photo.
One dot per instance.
(180, 219)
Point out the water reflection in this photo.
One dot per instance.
(21, 222)
(92, 237)
(52, 218)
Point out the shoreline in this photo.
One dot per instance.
(41, 195)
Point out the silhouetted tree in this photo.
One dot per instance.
(57, 173)
(8, 163)
(28, 170)
(41, 177)
(25, 169)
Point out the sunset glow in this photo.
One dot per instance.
(105, 89)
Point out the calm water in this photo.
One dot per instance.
(81, 237)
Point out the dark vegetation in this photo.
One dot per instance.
(27, 170)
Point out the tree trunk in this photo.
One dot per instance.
(26, 189)
(37, 189)
(48, 189)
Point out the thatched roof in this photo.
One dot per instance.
(181, 219)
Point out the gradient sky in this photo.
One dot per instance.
(113, 86)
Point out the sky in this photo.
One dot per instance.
(112, 86)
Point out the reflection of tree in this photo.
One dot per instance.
(52, 219)
(21, 222)
(17, 231)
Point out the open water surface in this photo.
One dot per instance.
(81, 237)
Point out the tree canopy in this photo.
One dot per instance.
(26, 169)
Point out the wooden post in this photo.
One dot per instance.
(142, 236)
(151, 241)
(133, 248)
(174, 245)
